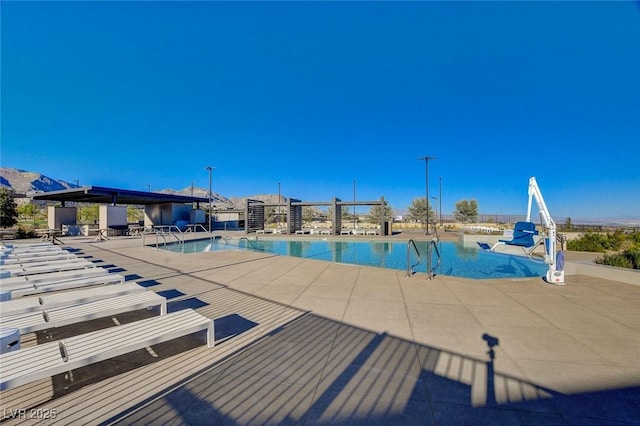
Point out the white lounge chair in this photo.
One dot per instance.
(65, 315)
(25, 305)
(51, 277)
(45, 287)
(7, 251)
(37, 362)
(44, 267)
(25, 259)
(38, 263)
(26, 245)
(45, 247)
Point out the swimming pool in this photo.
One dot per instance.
(457, 260)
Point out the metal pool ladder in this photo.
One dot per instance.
(253, 246)
(432, 247)
(410, 267)
(166, 232)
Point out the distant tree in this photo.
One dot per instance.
(344, 211)
(28, 210)
(418, 211)
(8, 209)
(89, 213)
(567, 224)
(270, 215)
(134, 214)
(466, 211)
(308, 214)
(375, 211)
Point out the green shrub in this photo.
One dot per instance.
(589, 241)
(614, 260)
(634, 256)
(614, 241)
(25, 232)
(626, 259)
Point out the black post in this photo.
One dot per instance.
(440, 201)
(426, 159)
(210, 208)
(354, 204)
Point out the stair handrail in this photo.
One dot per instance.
(435, 229)
(179, 237)
(433, 245)
(249, 242)
(410, 267)
(195, 227)
(167, 230)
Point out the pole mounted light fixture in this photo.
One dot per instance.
(435, 204)
(354, 205)
(426, 159)
(440, 201)
(210, 168)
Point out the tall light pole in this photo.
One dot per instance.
(354, 204)
(436, 204)
(210, 208)
(279, 211)
(426, 159)
(440, 201)
(148, 188)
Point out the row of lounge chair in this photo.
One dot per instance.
(46, 296)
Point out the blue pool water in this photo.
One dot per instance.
(457, 260)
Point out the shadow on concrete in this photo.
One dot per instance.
(146, 283)
(189, 303)
(132, 277)
(318, 371)
(170, 294)
(232, 325)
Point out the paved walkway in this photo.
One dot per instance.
(300, 341)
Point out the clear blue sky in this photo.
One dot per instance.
(315, 95)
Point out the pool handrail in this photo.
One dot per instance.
(164, 231)
(435, 229)
(410, 267)
(194, 228)
(248, 241)
(433, 245)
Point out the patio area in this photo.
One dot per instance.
(301, 341)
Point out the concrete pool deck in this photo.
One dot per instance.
(301, 341)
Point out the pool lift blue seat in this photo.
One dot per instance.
(523, 236)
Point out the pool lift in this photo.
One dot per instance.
(524, 232)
